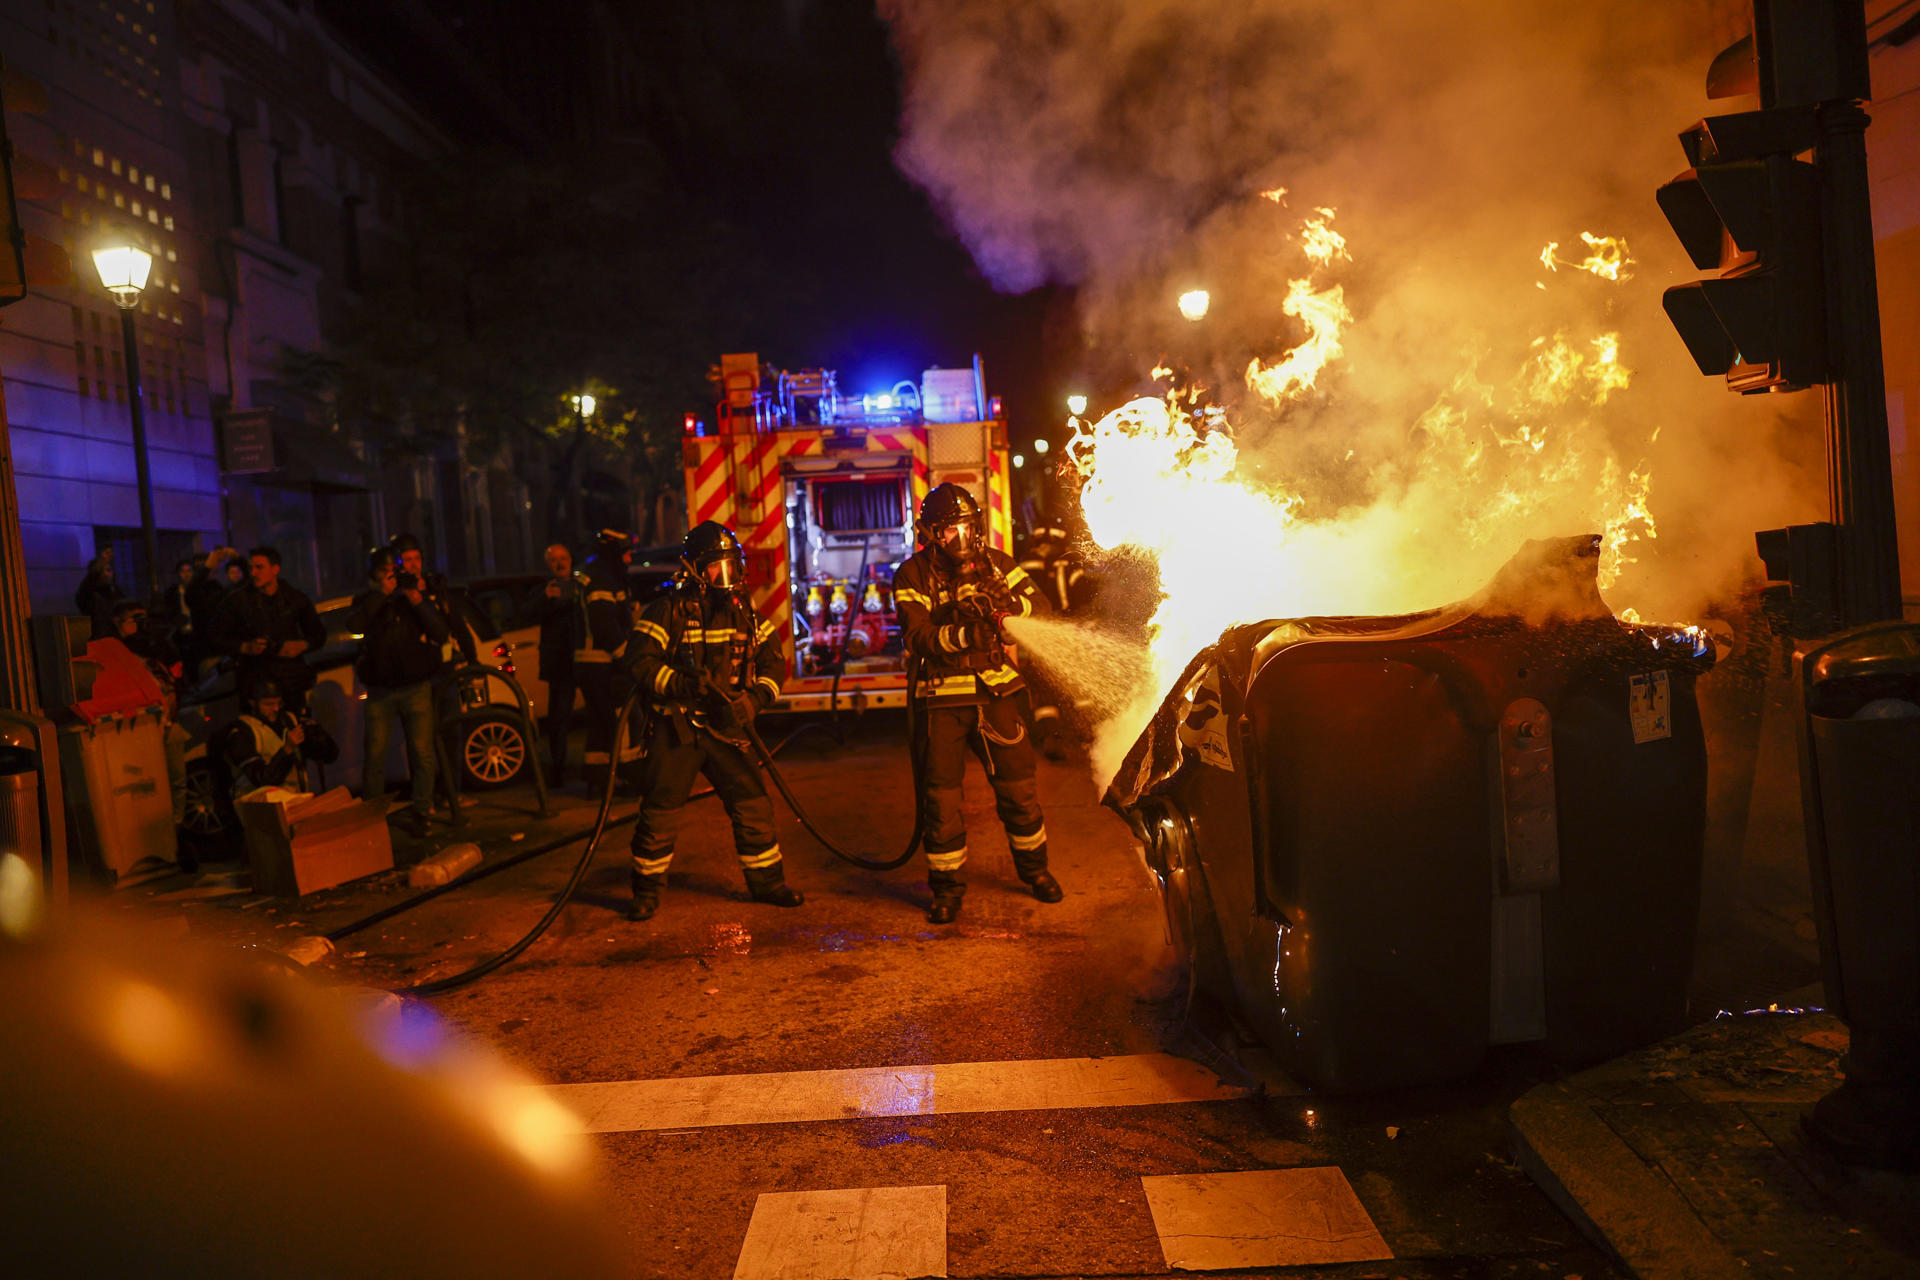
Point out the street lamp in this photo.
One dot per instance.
(1194, 304)
(1040, 444)
(583, 406)
(123, 270)
(1076, 405)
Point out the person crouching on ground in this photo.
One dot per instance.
(269, 746)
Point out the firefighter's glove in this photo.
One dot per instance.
(681, 684)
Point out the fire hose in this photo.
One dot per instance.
(604, 820)
(916, 755)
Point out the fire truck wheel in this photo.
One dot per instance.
(492, 750)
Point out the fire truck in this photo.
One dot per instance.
(822, 486)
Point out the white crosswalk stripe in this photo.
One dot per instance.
(1261, 1218)
(1148, 1079)
(862, 1233)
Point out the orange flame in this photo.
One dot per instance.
(1606, 257)
(1497, 458)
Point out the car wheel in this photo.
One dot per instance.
(492, 751)
(203, 817)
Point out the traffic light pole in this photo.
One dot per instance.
(1859, 465)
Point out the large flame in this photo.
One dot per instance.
(1499, 456)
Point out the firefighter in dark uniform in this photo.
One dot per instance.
(604, 622)
(951, 597)
(708, 664)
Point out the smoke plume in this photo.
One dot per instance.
(1134, 149)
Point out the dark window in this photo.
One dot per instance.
(280, 198)
(350, 241)
(235, 174)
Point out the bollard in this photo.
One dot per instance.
(1859, 756)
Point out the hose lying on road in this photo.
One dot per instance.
(602, 822)
(916, 755)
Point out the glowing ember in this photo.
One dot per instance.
(1322, 243)
(1278, 195)
(1194, 303)
(1606, 257)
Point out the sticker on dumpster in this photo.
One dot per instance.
(1650, 704)
(1204, 726)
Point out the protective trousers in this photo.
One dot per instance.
(606, 687)
(1000, 732)
(673, 758)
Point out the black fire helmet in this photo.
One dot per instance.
(950, 520)
(711, 543)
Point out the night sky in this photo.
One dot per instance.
(777, 117)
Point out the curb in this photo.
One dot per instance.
(1625, 1206)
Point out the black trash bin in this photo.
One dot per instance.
(1389, 843)
(1860, 771)
(20, 804)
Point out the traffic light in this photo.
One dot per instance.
(1751, 210)
(27, 261)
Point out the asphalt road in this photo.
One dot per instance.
(1034, 1177)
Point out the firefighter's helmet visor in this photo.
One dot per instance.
(725, 572)
(961, 538)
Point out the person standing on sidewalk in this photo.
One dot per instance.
(98, 593)
(268, 625)
(555, 606)
(605, 619)
(401, 637)
(410, 566)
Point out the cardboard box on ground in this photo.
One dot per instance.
(298, 844)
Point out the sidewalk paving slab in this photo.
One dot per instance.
(1686, 1161)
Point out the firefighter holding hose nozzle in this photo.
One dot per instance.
(707, 664)
(953, 597)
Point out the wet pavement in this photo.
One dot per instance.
(718, 987)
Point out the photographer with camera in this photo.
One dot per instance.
(269, 745)
(401, 634)
(267, 626)
(411, 574)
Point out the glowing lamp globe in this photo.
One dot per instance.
(123, 270)
(1194, 303)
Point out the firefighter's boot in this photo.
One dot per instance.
(948, 888)
(1031, 864)
(769, 885)
(646, 896)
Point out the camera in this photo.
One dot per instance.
(405, 580)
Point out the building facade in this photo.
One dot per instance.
(114, 132)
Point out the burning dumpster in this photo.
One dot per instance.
(1388, 843)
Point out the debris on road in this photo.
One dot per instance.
(452, 861)
(308, 950)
